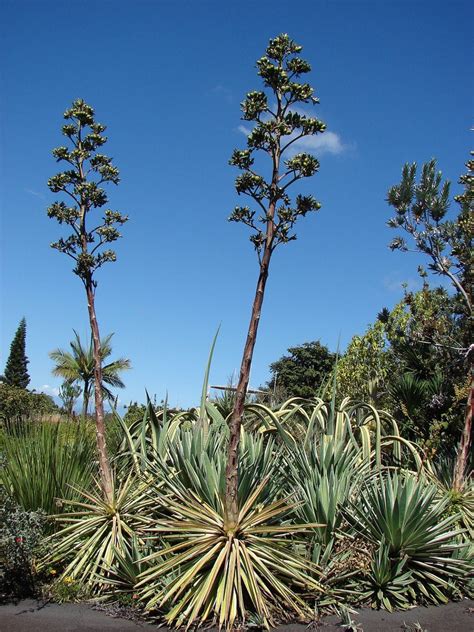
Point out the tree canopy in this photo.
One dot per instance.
(77, 367)
(421, 211)
(303, 372)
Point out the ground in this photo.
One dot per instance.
(32, 616)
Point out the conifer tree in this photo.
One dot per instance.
(16, 373)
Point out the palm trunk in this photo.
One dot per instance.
(104, 464)
(464, 446)
(232, 474)
(85, 400)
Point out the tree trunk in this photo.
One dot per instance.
(465, 443)
(85, 401)
(104, 464)
(232, 480)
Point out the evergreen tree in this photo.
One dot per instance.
(303, 371)
(16, 373)
(77, 367)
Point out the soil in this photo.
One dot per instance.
(33, 616)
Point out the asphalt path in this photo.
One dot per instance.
(32, 616)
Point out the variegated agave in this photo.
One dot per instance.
(200, 568)
(227, 573)
(98, 533)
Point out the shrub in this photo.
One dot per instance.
(20, 539)
(134, 413)
(18, 405)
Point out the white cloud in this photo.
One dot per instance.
(49, 390)
(244, 129)
(326, 143)
(35, 193)
(329, 142)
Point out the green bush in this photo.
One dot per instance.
(20, 539)
(18, 405)
(134, 413)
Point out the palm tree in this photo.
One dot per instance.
(78, 366)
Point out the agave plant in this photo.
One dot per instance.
(326, 475)
(98, 534)
(203, 567)
(198, 464)
(460, 501)
(388, 583)
(146, 439)
(405, 513)
(121, 577)
(301, 421)
(226, 573)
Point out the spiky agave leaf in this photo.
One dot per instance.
(302, 421)
(387, 584)
(406, 513)
(197, 464)
(96, 529)
(460, 501)
(222, 574)
(122, 575)
(325, 476)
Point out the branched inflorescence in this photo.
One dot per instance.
(81, 184)
(278, 127)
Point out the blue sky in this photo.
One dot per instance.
(167, 79)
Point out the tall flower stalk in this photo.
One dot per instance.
(80, 184)
(279, 124)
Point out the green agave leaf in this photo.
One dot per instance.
(203, 420)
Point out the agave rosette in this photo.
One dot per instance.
(405, 512)
(227, 572)
(96, 529)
